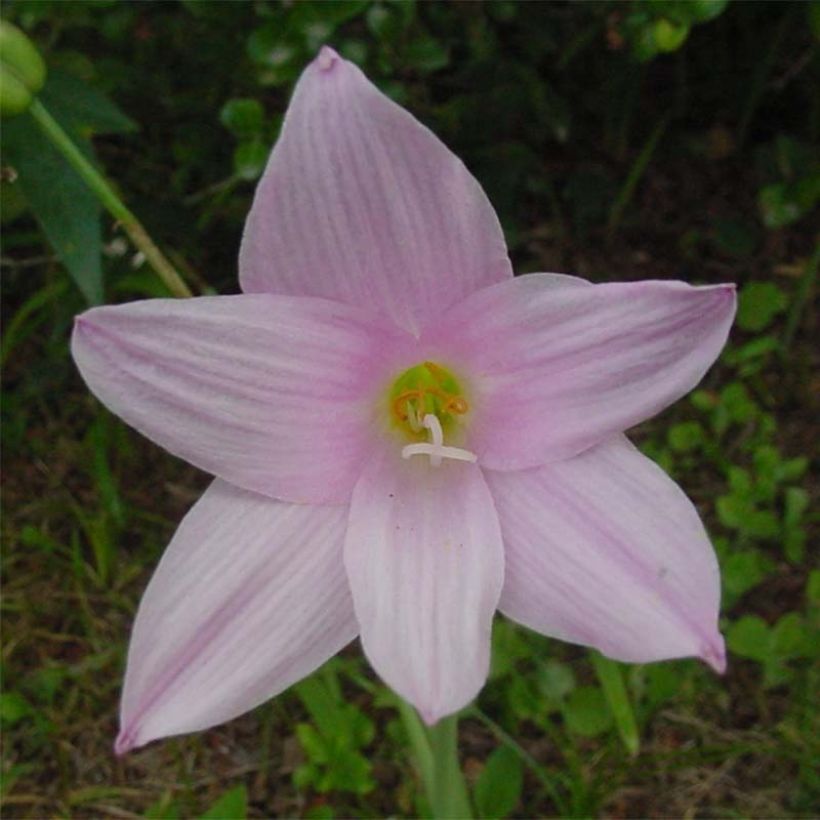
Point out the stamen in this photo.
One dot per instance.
(436, 449)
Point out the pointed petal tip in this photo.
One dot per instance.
(727, 290)
(724, 297)
(714, 654)
(125, 742)
(92, 321)
(82, 322)
(327, 58)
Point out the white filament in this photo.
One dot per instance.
(436, 449)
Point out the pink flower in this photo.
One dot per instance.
(404, 437)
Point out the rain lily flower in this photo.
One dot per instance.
(405, 438)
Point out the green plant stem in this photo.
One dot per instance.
(801, 298)
(435, 750)
(449, 793)
(107, 196)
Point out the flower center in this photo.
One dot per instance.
(426, 399)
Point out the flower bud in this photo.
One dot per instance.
(22, 70)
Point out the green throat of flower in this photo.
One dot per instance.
(428, 399)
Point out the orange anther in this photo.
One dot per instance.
(457, 405)
(401, 401)
(435, 371)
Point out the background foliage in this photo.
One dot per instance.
(617, 141)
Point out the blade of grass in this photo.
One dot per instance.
(17, 329)
(532, 764)
(612, 682)
(761, 74)
(634, 177)
(109, 199)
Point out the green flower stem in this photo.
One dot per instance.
(105, 193)
(449, 792)
(436, 756)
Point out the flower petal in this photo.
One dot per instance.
(273, 394)
(606, 550)
(425, 563)
(249, 597)
(362, 203)
(560, 366)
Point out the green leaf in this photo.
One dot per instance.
(813, 587)
(556, 680)
(498, 789)
(669, 36)
(777, 208)
(742, 571)
(426, 54)
(243, 117)
(758, 304)
(792, 469)
(13, 708)
(249, 159)
(659, 682)
(686, 436)
(738, 403)
(789, 637)
(67, 211)
(509, 647)
(740, 481)
(703, 400)
(755, 349)
(586, 712)
(388, 22)
(323, 707)
(523, 701)
(305, 16)
(164, 809)
(45, 683)
(281, 58)
(796, 502)
(732, 511)
(81, 109)
(705, 10)
(750, 637)
(332, 747)
(232, 805)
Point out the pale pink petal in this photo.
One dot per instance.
(273, 394)
(557, 366)
(425, 563)
(250, 596)
(362, 203)
(606, 550)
